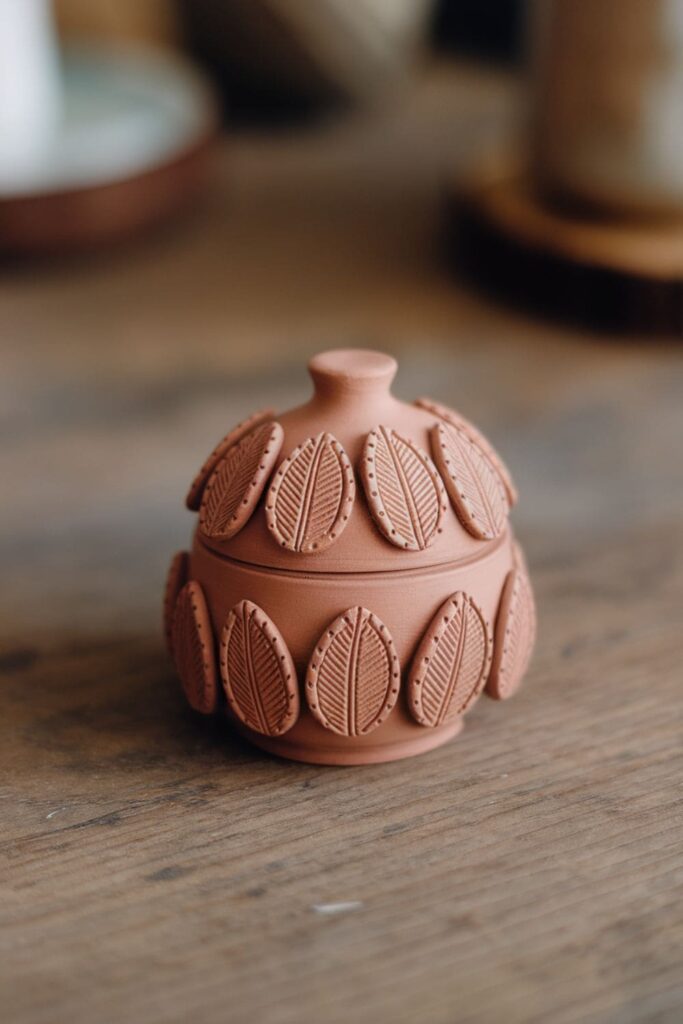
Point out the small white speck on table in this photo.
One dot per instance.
(342, 907)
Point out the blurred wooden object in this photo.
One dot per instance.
(615, 274)
(607, 80)
(150, 22)
(586, 225)
(155, 869)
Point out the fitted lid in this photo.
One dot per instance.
(354, 480)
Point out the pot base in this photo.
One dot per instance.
(281, 747)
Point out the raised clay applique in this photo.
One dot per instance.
(311, 496)
(176, 578)
(477, 438)
(515, 634)
(194, 494)
(258, 672)
(193, 649)
(474, 488)
(237, 482)
(353, 675)
(451, 664)
(403, 489)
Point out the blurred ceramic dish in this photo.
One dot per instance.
(130, 147)
(354, 584)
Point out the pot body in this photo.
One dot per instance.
(302, 605)
(342, 600)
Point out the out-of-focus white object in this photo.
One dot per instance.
(93, 117)
(30, 89)
(123, 112)
(95, 143)
(607, 119)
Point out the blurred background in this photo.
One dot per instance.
(196, 196)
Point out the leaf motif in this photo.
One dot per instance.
(451, 664)
(235, 486)
(175, 581)
(474, 488)
(258, 672)
(311, 497)
(477, 439)
(515, 634)
(193, 653)
(403, 489)
(353, 676)
(194, 495)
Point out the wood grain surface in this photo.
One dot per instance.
(157, 869)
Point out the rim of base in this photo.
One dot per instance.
(352, 757)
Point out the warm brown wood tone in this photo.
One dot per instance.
(156, 869)
(568, 261)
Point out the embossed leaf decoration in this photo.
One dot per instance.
(175, 581)
(311, 496)
(451, 664)
(235, 486)
(515, 634)
(403, 489)
(478, 439)
(474, 488)
(193, 649)
(194, 494)
(258, 672)
(353, 675)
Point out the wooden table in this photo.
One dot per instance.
(156, 869)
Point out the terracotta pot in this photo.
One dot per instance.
(349, 595)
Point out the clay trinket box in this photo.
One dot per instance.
(354, 584)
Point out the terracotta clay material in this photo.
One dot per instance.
(175, 581)
(515, 633)
(258, 672)
(473, 484)
(353, 676)
(235, 486)
(193, 648)
(350, 624)
(197, 486)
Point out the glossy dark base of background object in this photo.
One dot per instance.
(555, 285)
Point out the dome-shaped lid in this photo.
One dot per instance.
(352, 481)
